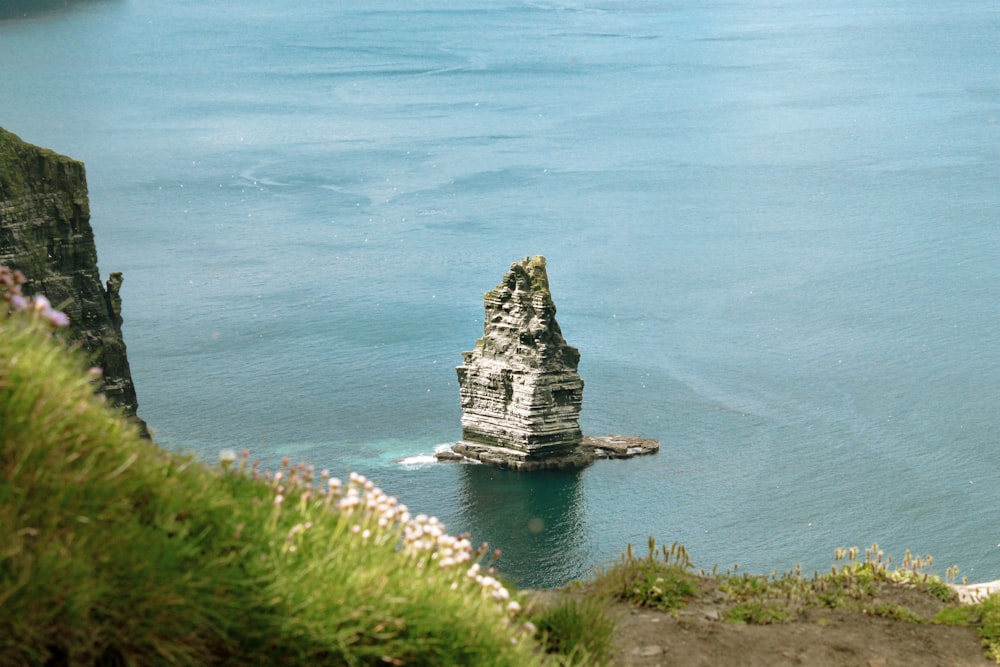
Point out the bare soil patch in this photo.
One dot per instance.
(697, 635)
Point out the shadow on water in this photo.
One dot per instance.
(20, 9)
(537, 520)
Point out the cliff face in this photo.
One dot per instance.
(45, 232)
(519, 387)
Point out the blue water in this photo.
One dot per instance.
(772, 230)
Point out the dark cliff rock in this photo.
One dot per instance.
(45, 232)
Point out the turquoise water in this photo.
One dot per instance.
(772, 232)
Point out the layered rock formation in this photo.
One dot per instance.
(519, 386)
(589, 450)
(45, 232)
(520, 390)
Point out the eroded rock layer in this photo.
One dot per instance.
(590, 449)
(45, 232)
(520, 391)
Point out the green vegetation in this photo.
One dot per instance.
(855, 585)
(113, 551)
(758, 612)
(539, 277)
(661, 580)
(530, 269)
(18, 160)
(11, 173)
(987, 619)
(578, 628)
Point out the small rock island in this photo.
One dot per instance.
(520, 390)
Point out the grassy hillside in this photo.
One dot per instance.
(113, 551)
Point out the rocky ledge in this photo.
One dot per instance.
(589, 450)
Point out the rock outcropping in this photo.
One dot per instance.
(520, 390)
(519, 387)
(590, 449)
(45, 232)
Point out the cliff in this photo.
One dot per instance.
(520, 389)
(45, 232)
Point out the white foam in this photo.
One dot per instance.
(421, 460)
(417, 461)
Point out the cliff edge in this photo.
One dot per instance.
(45, 232)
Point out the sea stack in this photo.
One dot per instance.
(520, 390)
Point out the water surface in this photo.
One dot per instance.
(771, 231)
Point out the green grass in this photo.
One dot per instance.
(855, 585)
(579, 628)
(663, 579)
(758, 612)
(17, 158)
(113, 551)
(987, 621)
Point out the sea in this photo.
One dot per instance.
(772, 230)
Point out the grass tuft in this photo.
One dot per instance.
(988, 612)
(757, 612)
(663, 579)
(581, 629)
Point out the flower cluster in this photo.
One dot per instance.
(11, 283)
(379, 518)
(424, 538)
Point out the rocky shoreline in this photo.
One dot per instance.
(589, 450)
